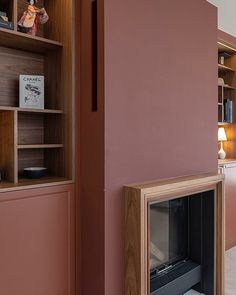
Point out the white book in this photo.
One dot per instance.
(31, 91)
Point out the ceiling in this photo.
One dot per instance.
(226, 15)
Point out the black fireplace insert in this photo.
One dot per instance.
(182, 245)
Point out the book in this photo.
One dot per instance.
(3, 18)
(228, 105)
(31, 91)
(2, 13)
(6, 25)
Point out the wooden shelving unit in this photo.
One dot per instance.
(227, 72)
(37, 137)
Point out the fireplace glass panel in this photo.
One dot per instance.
(169, 233)
(181, 245)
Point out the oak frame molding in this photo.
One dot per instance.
(137, 199)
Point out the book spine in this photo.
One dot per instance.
(6, 25)
(228, 111)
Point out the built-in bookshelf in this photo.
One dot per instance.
(226, 83)
(37, 137)
(227, 94)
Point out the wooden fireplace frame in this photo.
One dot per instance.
(137, 200)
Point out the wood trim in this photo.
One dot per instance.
(227, 39)
(220, 238)
(77, 20)
(137, 200)
(15, 14)
(15, 147)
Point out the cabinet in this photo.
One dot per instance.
(229, 169)
(37, 251)
(33, 137)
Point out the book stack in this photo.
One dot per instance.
(4, 22)
(228, 107)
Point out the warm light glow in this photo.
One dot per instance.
(221, 134)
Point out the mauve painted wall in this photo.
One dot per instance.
(160, 103)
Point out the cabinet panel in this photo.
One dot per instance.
(230, 206)
(37, 241)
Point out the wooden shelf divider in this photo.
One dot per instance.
(225, 68)
(28, 110)
(39, 146)
(227, 86)
(21, 41)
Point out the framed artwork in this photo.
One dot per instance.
(31, 91)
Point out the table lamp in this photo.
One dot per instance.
(221, 137)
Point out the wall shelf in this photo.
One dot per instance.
(21, 41)
(225, 68)
(223, 123)
(39, 146)
(226, 86)
(28, 110)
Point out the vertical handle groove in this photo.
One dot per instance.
(94, 55)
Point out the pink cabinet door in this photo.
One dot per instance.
(37, 241)
(230, 205)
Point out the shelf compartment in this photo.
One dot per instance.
(52, 159)
(14, 63)
(8, 7)
(47, 130)
(21, 41)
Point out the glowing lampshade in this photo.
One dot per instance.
(221, 134)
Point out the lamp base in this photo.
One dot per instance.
(221, 154)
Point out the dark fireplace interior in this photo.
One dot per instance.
(182, 245)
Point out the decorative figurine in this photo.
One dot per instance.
(31, 18)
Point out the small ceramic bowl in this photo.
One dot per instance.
(35, 172)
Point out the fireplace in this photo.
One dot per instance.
(175, 236)
(182, 244)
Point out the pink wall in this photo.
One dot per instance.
(160, 103)
(157, 116)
